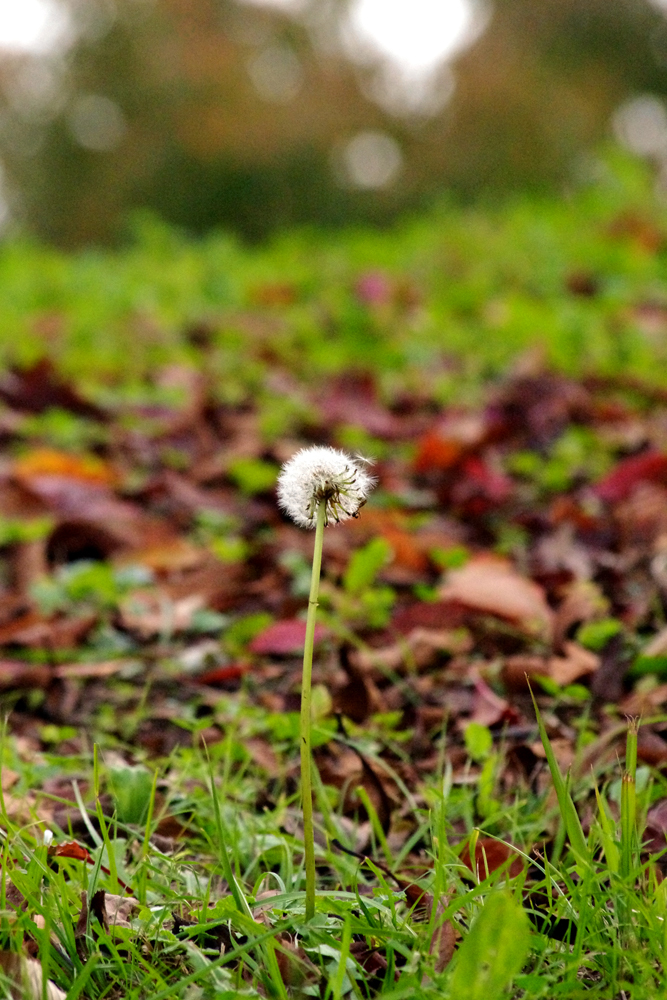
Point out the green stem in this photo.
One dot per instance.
(305, 725)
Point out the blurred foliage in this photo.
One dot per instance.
(220, 113)
(426, 309)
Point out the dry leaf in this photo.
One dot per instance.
(26, 974)
(651, 748)
(49, 462)
(418, 650)
(492, 585)
(644, 702)
(284, 638)
(575, 663)
(488, 708)
(519, 670)
(658, 644)
(491, 854)
(150, 612)
(583, 602)
(87, 670)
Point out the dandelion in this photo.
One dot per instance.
(325, 476)
(317, 486)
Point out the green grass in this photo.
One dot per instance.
(237, 880)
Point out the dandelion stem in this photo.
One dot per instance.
(305, 725)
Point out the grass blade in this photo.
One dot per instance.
(566, 806)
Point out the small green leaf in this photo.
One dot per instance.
(252, 475)
(131, 790)
(241, 632)
(478, 741)
(493, 952)
(365, 564)
(596, 635)
(649, 665)
(450, 558)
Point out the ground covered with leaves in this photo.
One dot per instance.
(506, 380)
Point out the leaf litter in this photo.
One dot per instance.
(151, 584)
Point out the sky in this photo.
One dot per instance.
(414, 35)
(28, 25)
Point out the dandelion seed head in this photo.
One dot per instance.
(323, 475)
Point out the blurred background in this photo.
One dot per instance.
(254, 115)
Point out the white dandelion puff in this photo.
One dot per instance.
(323, 475)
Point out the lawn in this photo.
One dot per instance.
(490, 673)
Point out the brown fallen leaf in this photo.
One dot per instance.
(561, 552)
(488, 708)
(583, 602)
(352, 399)
(222, 676)
(120, 909)
(657, 646)
(575, 663)
(345, 767)
(418, 650)
(436, 615)
(489, 855)
(49, 462)
(49, 631)
(519, 670)
(79, 853)
(562, 748)
(28, 981)
(149, 613)
(492, 585)
(651, 748)
(171, 555)
(39, 387)
(445, 935)
(263, 754)
(359, 697)
(372, 962)
(643, 702)
(70, 850)
(82, 671)
(296, 969)
(655, 833)
(16, 674)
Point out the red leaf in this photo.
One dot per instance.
(436, 452)
(490, 855)
(488, 708)
(283, 638)
(220, 675)
(455, 436)
(650, 466)
(78, 853)
(487, 482)
(70, 850)
(429, 614)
